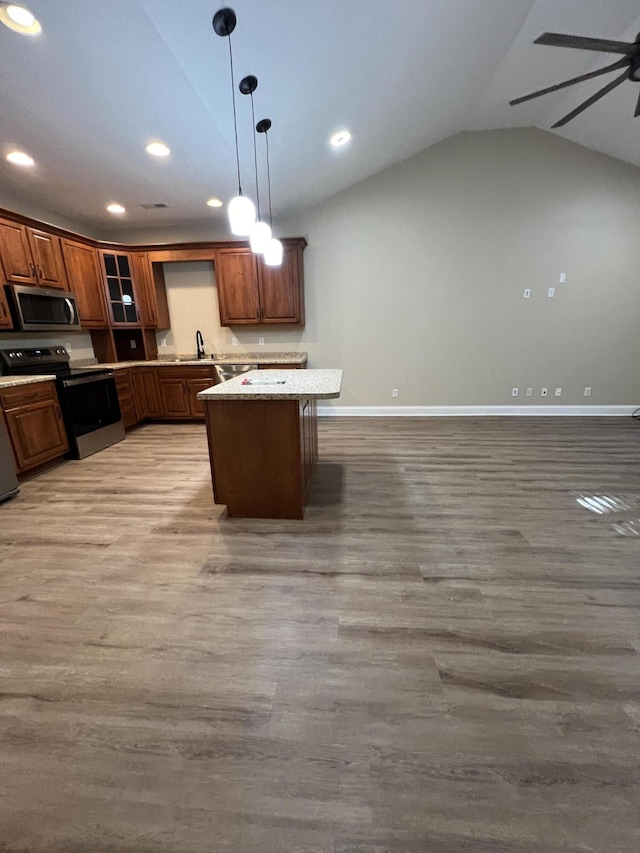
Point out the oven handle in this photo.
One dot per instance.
(72, 311)
(84, 380)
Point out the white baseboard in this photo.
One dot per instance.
(474, 411)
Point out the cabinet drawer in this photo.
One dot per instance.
(20, 395)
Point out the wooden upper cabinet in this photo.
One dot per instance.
(237, 281)
(5, 316)
(85, 280)
(144, 287)
(47, 257)
(120, 292)
(281, 288)
(251, 293)
(31, 256)
(16, 254)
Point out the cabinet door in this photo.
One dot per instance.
(281, 288)
(37, 433)
(151, 389)
(175, 400)
(194, 386)
(16, 254)
(85, 280)
(120, 289)
(237, 281)
(139, 396)
(145, 289)
(125, 398)
(47, 256)
(5, 315)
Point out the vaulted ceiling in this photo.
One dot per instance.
(105, 77)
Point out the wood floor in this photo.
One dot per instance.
(443, 657)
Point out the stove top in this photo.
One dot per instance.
(45, 360)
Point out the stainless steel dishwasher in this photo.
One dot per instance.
(8, 479)
(229, 371)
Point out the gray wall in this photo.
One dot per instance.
(415, 277)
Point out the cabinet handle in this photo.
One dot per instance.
(40, 273)
(32, 267)
(58, 415)
(4, 310)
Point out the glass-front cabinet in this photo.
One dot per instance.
(120, 289)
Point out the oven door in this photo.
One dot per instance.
(91, 412)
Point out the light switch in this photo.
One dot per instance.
(552, 292)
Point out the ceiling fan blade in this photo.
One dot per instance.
(604, 91)
(586, 43)
(619, 64)
(637, 112)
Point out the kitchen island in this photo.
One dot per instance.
(263, 439)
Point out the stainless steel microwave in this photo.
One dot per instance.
(39, 309)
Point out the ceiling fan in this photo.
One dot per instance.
(630, 62)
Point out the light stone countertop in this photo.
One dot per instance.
(218, 358)
(12, 381)
(297, 385)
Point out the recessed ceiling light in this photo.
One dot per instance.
(19, 158)
(115, 208)
(214, 202)
(340, 138)
(19, 19)
(158, 149)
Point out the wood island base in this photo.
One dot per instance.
(262, 455)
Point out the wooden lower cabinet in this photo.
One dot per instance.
(262, 455)
(179, 387)
(34, 422)
(126, 398)
(146, 392)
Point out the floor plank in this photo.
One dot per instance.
(443, 656)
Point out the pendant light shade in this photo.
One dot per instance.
(259, 237)
(241, 210)
(242, 215)
(273, 253)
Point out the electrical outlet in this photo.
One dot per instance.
(563, 278)
(67, 346)
(527, 293)
(394, 392)
(558, 392)
(529, 392)
(234, 342)
(163, 342)
(261, 342)
(514, 392)
(587, 391)
(544, 392)
(132, 343)
(551, 292)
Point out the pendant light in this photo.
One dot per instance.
(260, 233)
(274, 251)
(242, 213)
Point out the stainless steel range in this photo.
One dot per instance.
(88, 396)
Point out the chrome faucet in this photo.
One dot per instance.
(200, 344)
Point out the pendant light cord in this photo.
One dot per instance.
(255, 155)
(235, 120)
